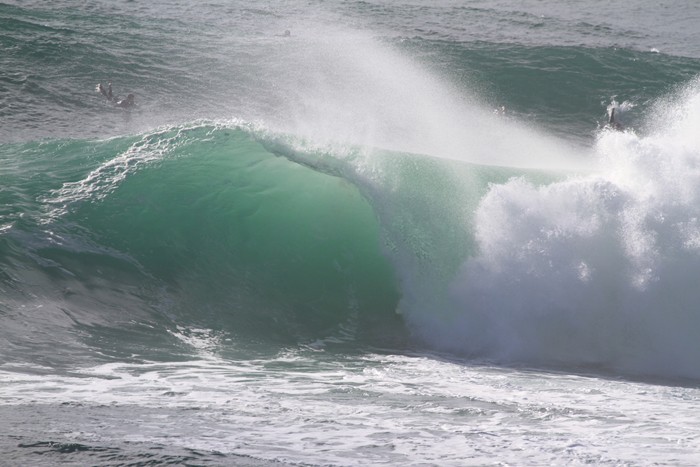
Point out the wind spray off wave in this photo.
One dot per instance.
(599, 271)
(338, 86)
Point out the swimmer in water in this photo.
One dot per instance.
(613, 122)
(126, 103)
(107, 92)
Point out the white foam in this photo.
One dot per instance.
(597, 270)
(312, 407)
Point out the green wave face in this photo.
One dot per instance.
(276, 245)
(203, 226)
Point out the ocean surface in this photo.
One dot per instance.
(344, 233)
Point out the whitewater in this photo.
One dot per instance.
(349, 233)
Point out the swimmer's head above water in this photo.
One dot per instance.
(128, 102)
(613, 122)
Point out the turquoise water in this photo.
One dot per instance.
(349, 233)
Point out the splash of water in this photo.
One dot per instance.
(597, 270)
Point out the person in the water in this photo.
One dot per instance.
(613, 121)
(125, 103)
(107, 92)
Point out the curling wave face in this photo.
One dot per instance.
(192, 225)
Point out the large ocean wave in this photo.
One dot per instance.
(197, 225)
(231, 227)
(367, 193)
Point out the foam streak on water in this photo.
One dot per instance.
(352, 410)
